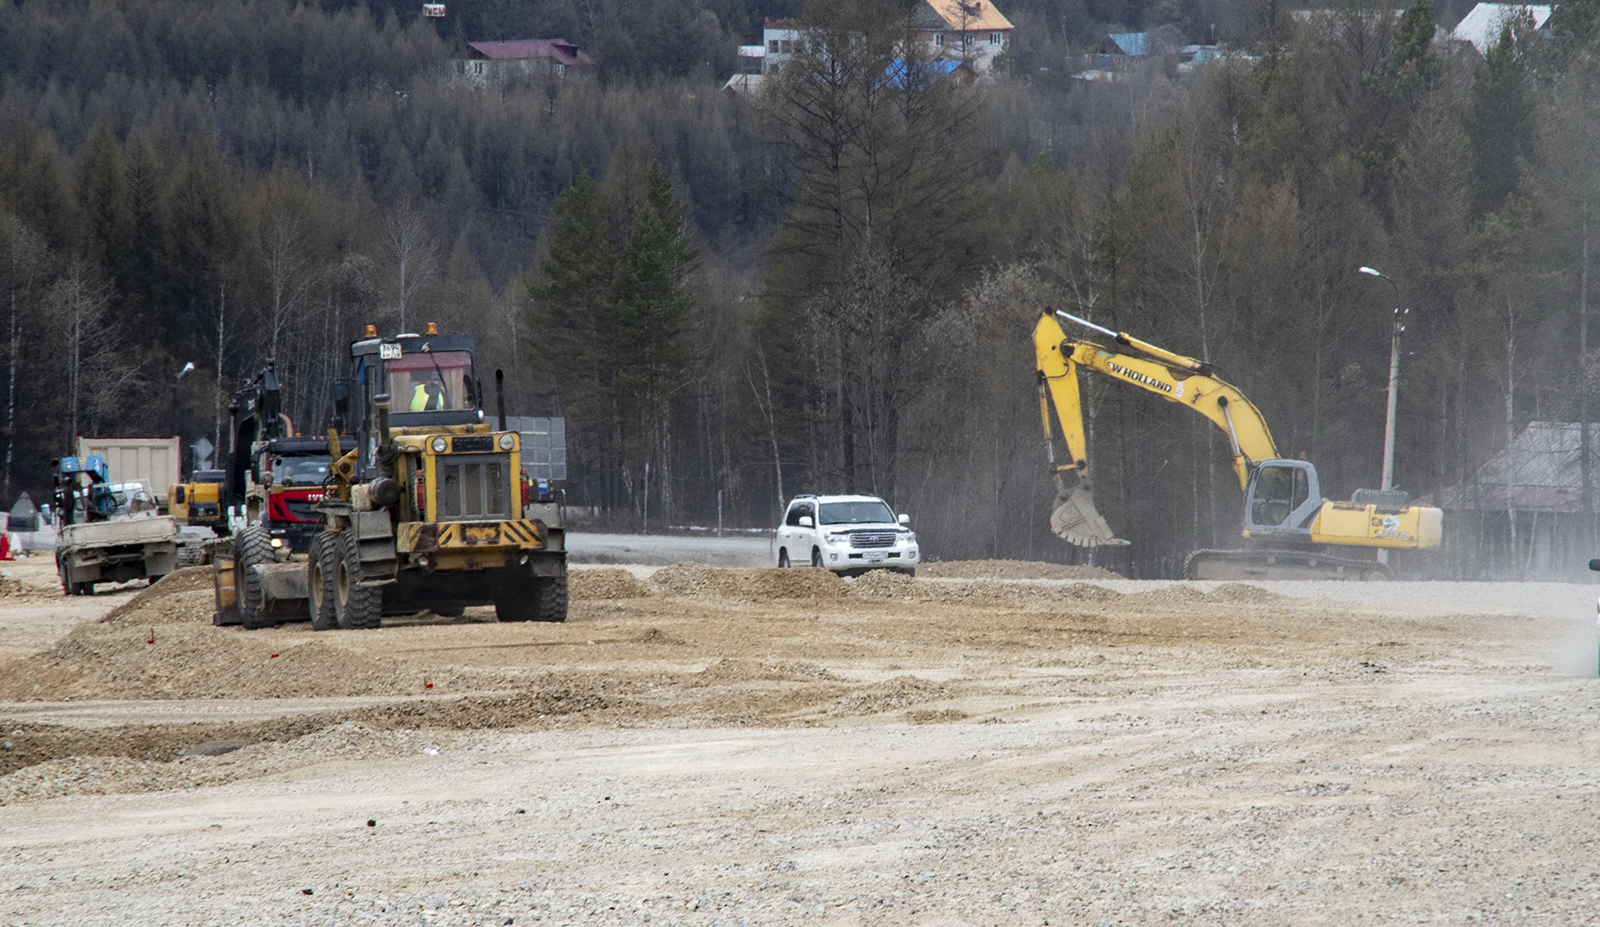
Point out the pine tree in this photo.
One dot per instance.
(572, 304)
(651, 312)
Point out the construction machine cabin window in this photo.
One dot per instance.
(430, 382)
(299, 471)
(1279, 491)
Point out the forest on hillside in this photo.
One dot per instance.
(831, 286)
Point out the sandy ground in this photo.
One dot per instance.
(742, 746)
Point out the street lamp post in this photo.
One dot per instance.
(1400, 316)
(176, 428)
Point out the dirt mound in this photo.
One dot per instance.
(181, 597)
(121, 774)
(1011, 569)
(926, 716)
(96, 661)
(729, 670)
(985, 593)
(605, 584)
(656, 636)
(189, 607)
(688, 579)
(186, 579)
(1246, 594)
(1170, 595)
(886, 584)
(883, 584)
(894, 694)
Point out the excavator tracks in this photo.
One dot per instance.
(1244, 565)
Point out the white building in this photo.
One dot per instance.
(1481, 28)
(781, 38)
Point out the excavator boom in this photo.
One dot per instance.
(1283, 499)
(1173, 377)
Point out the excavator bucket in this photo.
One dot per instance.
(1075, 518)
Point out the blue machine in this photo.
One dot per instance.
(83, 479)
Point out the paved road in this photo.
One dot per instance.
(664, 550)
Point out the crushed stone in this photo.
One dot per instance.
(1011, 569)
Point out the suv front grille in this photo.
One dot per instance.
(473, 486)
(872, 539)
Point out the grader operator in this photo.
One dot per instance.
(430, 509)
(1295, 532)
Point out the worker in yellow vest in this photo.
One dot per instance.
(428, 393)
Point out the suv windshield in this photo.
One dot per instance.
(856, 513)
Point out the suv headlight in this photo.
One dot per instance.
(836, 539)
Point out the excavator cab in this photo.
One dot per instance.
(1282, 499)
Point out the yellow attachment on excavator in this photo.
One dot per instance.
(1352, 524)
(1074, 518)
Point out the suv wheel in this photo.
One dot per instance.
(783, 559)
(816, 557)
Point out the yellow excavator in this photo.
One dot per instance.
(1295, 533)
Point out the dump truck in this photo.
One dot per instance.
(429, 510)
(154, 461)
(110, 532)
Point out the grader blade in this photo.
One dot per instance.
(1075, 518)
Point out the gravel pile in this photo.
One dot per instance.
(1246, 594)
(608, 583)
(892, 695)
(887, 584)
(1011, 569)
(114, 775)
(689, 579)
(730, 670)
(881, 584)
(182, 596)
(185, 661)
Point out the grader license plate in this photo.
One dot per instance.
(480, 534)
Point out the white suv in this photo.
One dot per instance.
(845, 534)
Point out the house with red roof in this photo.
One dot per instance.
(522, 61)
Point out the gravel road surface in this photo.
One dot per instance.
(703, 747)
